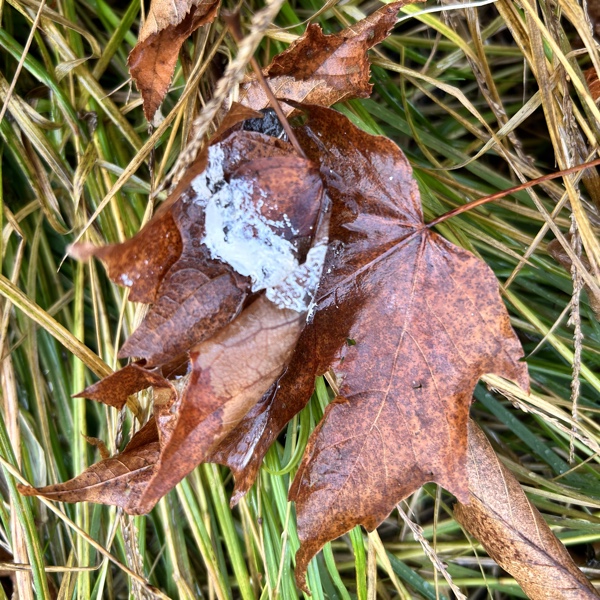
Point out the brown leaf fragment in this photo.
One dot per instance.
(244, 449)
(198, 297)
(426, 321)
(168, 24)
(117, 387)
(591, 78)
(513, 532)
(98, 443)
(230, 373)
(324, 69)
(235, 116)
(117, 481)
(141, 262)
(237, 146)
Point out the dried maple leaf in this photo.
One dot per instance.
(325, 69)
(168, 24)
(512, 530)
(250, 231)
(426, 321)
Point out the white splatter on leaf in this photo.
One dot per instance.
(237, 233)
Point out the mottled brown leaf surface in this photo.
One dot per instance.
(168, 24)
(426, 321)
(197, 297)
(118, 480)
(512, 530)
(325, 69)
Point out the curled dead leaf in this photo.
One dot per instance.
(252, 231)
(324, 69)
(513, 532)
(118, 480)
(141, 262)
(168, 24)
(244, 449)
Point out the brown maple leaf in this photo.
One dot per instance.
(324, 69)
(251, 234)
(168, 24)
(426, 321)
(512, 530)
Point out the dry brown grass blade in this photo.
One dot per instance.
(23, 580)
(417, 532)
(233, 75)
(512, 530)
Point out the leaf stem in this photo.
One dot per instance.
(480, 201)
(233, 22)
